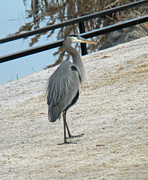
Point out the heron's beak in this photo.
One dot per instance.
(87, 41)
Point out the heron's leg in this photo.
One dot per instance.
(64, 118)
(64, 123)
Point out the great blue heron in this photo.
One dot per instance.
(64, 83)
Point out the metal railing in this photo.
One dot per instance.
(90, 34)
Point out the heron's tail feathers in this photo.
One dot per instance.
(53, 114)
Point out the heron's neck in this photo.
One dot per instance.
(77, 61)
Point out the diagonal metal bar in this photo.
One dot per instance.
(31, 51)
(73, 21)
(115, 27)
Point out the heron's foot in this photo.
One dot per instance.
(80, 135)
(67, 143)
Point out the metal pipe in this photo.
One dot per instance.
(73, 21)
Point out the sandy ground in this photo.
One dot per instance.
(112, 112)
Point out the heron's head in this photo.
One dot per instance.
(77, 38)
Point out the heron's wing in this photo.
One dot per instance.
(63, 86)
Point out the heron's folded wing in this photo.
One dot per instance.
(63, 86)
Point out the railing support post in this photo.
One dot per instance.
(83, 45)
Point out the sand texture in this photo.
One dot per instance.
(112, 112)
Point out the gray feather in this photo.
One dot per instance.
(63, 86)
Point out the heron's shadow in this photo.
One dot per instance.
(72, 142)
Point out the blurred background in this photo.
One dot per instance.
(20, 16)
